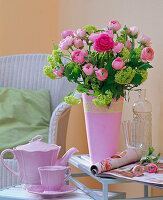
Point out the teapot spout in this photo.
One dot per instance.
(64, 160)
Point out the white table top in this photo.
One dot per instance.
(18, 193)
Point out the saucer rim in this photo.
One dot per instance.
(56, 192)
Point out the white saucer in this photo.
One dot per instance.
(38, 189)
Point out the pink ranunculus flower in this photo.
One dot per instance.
(128, 45)
(145, 39)
(147, 54)
(93, 36)
(78, 43)
(151, 168)
(80, 33)
(114, 25)
(88, 69)
(133, 30)
(118, 63)
(66, 33)
(103, 43)
(59, 72)
(66, 43)
(109, 33)
(137, 170)
(101, 74)
(78, 55)
(118, 46)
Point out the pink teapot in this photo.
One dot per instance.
(33, 155)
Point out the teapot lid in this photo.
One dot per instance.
(36, 144)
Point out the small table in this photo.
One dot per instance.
(82, 162)
(18, 193)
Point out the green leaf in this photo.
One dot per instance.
(137, 80)
(109, 68)
(145, 66)
(81, 88)
(115, 88)
(55, 46)
(72, 72)
(96, 93)
(157, 157)
(110, 79)
(134, 63)
(70, 94)
(151, 150)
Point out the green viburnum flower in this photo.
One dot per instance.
(103, 100)
(124, 76)
(56, 55)
(95, 86)
(95, 83)
(72, 100)
(143, 73)
(125, 54)
(48, 71)
(51, 60)
(138, 51)
(90, 29)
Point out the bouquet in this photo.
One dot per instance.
(108, 62)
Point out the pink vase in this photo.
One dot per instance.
(103, 127)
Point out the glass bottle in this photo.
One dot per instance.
(142, 112)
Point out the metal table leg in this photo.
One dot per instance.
(146, 191)
(105, 191)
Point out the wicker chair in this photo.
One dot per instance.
(26, 72)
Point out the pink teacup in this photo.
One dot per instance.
(52, 177)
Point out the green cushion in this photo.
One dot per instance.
(23, 115)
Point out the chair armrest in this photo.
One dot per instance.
(60, 109)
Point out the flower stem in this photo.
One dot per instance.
(133, 42)
(71, 48)
(89, 49)
(125, 35)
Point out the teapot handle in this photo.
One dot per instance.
(3, 162)
(37, 138)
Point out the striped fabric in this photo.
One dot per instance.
(26, 72)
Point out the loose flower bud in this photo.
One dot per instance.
(137, 170)
(151, 168)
